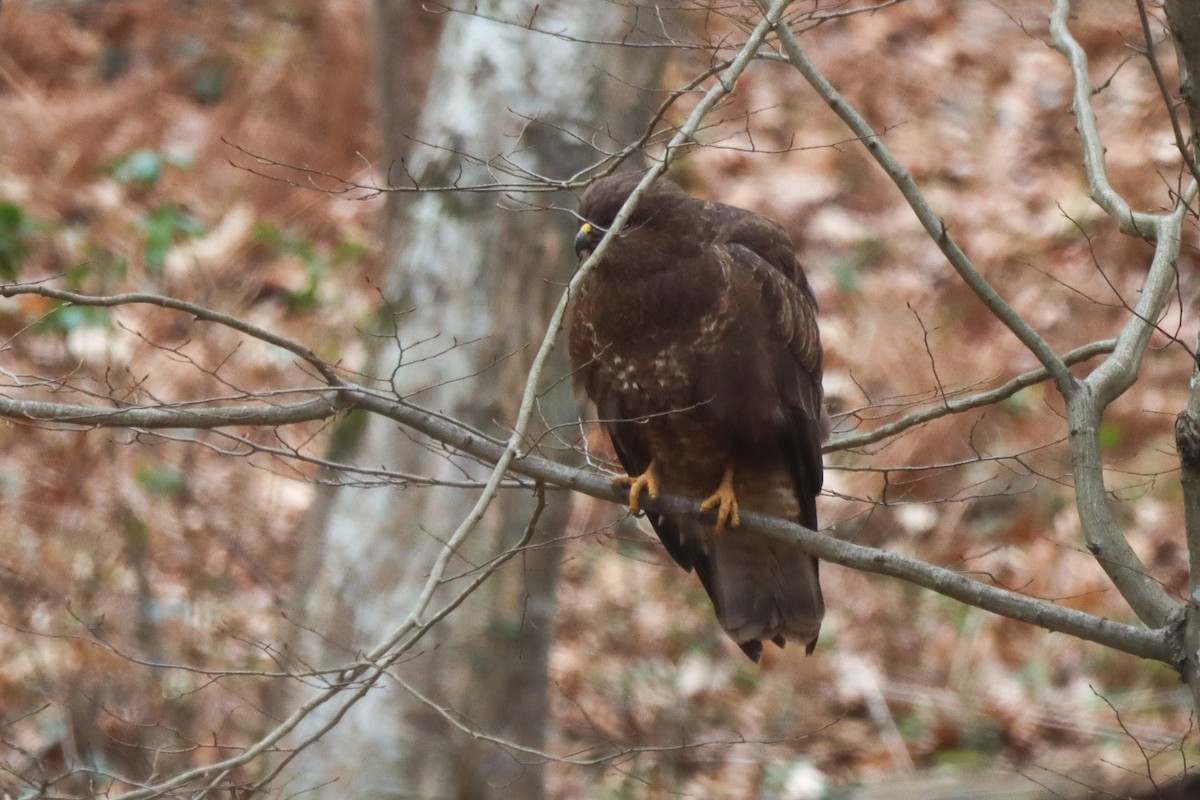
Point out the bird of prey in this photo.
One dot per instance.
(696, 339)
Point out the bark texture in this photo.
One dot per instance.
(472, 284)
(1184, 19)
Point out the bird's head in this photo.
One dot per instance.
(587, 239)
(602, 201)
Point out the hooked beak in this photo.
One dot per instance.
(586, 240)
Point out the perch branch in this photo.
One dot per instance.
(1130, 639)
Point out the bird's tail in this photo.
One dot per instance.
(763, 589)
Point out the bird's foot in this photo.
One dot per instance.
(724, 500)
(648, 480)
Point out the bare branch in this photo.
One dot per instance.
(1085, 409)
(1130, 639)
(1181, 142)
(951, 406)
(180, 415)
(929, 219)
(197, 311)
(1118, 372)
(1038, 612)
(1086, 401)
(1184, 18)
(1132, 222)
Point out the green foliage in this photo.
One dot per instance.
(135, 530)
(67, 317)
(101, 273)
(163, 227)
(964, 759)
(1021, 404)
(210, 82)
(16, 230)
(143, 167)
(349, 250)
(316, 261)
(347, 432)
(848, 270)
(746, 678)
(1110, 435)
(166, 224)
(161, 480)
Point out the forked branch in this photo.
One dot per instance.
(1087, 399)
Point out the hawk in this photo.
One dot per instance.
(696, 339)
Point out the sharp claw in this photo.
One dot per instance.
(648, 480)
(725, 501)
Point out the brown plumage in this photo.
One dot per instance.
(696, 339)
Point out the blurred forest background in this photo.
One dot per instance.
(125, 165)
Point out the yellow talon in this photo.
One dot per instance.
(648, 480)
(724, 500)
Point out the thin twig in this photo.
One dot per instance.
(933, 224)
(197, 311)
(1180, 139)
(1129, 221)
(952, 406)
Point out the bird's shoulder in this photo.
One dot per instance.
(732, 227)
(765, 281)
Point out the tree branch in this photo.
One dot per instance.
(1119, 371)
(933, 224)
(1085, 409)
(1134, 223)
(1184, 19)
(1103, 534)
(1181, 141)
(949, 407)
(1086, 401)
(197, 311)
(1126, 638)
(180, 415)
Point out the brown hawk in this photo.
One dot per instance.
(696, 339)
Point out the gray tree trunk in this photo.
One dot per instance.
(472, 285)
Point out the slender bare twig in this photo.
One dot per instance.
(385, 663)
(1181, 142)
(933, 224)
(1132, 222)
(197, 311)
(957, 406)
(178, 415)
